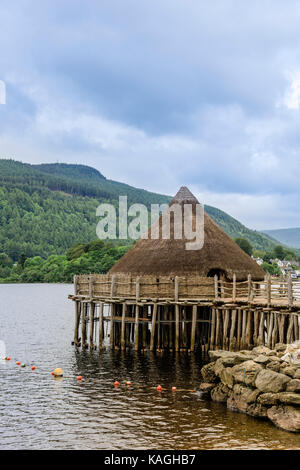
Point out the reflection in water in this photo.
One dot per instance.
(37, 411)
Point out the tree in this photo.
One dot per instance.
(279, 252)
(21, 260)
(245, 245)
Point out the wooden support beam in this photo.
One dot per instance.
(112, 326)
(193, 331)
(177, 334)
(124, 309)
(212, 328)
(234, 288)
(83, 324)
(77, 321)
(101, 332)
(216, 287)
(232, 340)
(152, 339)
(290, 290)
(92, 314)
(136, 336)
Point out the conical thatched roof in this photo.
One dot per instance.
(170, 257)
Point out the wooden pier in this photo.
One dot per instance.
(184, 313)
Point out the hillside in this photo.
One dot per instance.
(286, 236)
(46, 209)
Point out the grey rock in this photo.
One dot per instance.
(208, 373)
(270, 381)
(285, 417)
(220, 393)
(289, 398)
(268, 398)
(246, 372)
(293, 386)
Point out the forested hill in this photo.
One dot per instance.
(46, 209)
(286, 236)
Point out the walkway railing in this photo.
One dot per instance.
(285, 291)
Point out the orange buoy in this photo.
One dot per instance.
(18, 363)
(33, 368)
(7, 358)
(79, 377)
(174, 389)
(52, 373)
(159, 388)
(116, 383)
(128, 382)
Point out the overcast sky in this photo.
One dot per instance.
(159, 94)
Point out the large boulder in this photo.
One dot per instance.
(293, 386)
(206, 388)
(240, 398)
(208, 373)
(275, 366)
(261, 350)
(220, 393)
(268, 398)
(290, 371)
(246, 372)
(262, 359)
(289, 398)
(269, 381)
(285, 417)
(227, 377)
(230, 357)
(258, 410)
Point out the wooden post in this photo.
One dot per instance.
(249, 288)
(177, 317)
(91, 282)
(218, 328)
(225, 330)
(100, 325)
(83, 324)
(112, 286)
(77, 321)
(239, 328)
(216, 286)
(193, 332)
(234, 288)
(261, 336)
(268, 286)
(136, 337)
(232, 330)
(212, 328)
(92, 313)
(123, 345)
(290, 290)
(137, 289)
(154, 313)
(256, 326)
(112, 326)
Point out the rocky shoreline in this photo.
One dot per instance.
(260, 382)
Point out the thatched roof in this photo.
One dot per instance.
(170, 257)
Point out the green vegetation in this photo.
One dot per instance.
(245, 245)
(94, 257)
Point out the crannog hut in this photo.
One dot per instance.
(220, 255)
(161, 295)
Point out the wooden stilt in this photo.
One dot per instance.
(92, 313)
(212, 328)
(232, 330)
(193, 331)
(101, 335)
(83, 324)
(136, 337)
(225, 330)
(176, 327)
(152, 339)
(112, 326)
(77, 321)
(261, 336)
(123, 345)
